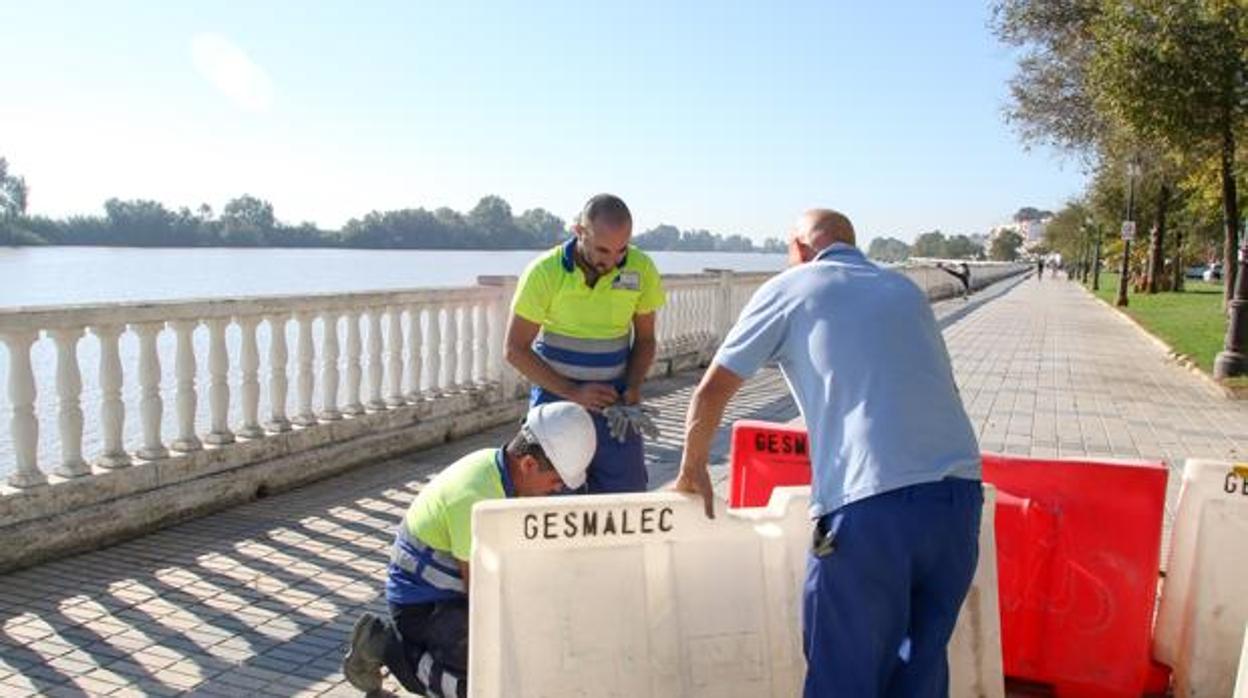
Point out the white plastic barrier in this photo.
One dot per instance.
(1200, 622)
(975, 665)
(641, 596)
(1241, 683)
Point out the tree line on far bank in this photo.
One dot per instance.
(248, 221)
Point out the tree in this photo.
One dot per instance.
(1176, 71)
(962, 247)
(1050, 102)
(1004, 247)
(888, 250)
(14, 193)
(1068, 233)
(1029, 214)
(929, 245)
(247, 221)
(660, 237)
(140, 222)
(778, 246)
(491, 222)
(697, 241)
(541, 227)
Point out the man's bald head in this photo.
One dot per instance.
(820, 227)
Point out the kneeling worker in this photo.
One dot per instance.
(424, 643)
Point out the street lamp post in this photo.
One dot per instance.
(1128, 232)
(1232, 361)
(1096, 256)
(1085, 252)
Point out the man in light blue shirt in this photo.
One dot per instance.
(895, 491)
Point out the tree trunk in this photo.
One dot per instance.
(1179, 272)
(1156, 261)
(1230, 215)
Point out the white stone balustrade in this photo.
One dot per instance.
(400, 349)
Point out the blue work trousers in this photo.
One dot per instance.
(885, 581)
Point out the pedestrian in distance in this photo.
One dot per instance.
(896, 495)
(962, 274)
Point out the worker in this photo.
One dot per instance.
(424, 641)
(583, 329)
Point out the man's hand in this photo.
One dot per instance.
(697, 480)
(632, 395)
(594, 396)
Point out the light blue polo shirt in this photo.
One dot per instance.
(864, 358)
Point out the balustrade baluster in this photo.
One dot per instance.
(186, 397)
(463, 376)
(218, 383)
(479, 344)
(414, 373)
(450, 349)
(278, 382)
(151, 407)
(435, 349)
(353, 405)
(23, 424)
(306, 358)
(329, 367)
(112, 409)
(249, 391)
(375, 367)
(394, 356)
(69, 393)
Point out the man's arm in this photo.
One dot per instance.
(520, 354)
(641, 358)
(463, 572)
(706, 410)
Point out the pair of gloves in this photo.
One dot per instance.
(639, 418)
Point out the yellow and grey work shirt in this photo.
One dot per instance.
(586, 330)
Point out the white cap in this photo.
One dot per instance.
(565, 432)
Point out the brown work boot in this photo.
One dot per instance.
(362, 665)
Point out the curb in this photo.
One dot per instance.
(1182, 360)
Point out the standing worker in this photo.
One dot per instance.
(895, 494)
(583, 329)
(424, 642)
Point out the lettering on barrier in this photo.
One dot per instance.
(597, 523)
(780, 443)
(1236, 481)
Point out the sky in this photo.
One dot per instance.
(729, 116)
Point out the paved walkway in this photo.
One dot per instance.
(258, 600)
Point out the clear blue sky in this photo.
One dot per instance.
(731, 116)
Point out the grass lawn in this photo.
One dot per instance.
(1192, 322)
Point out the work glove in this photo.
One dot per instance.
(639, 418)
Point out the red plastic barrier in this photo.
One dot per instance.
(1078, 546)
(765, 455)
(1078, 553)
